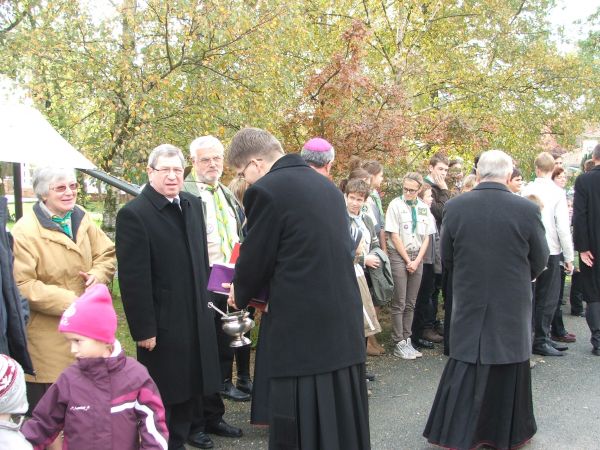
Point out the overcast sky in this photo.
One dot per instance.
(567, 13)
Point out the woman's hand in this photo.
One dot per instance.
(89, 279)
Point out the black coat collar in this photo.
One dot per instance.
(289, 160)
(157, 199)
(491, 185)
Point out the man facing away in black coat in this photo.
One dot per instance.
(494, 244)
(298, 246)
(163, 272)
(586, 223)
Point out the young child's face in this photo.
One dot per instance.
(85, 347)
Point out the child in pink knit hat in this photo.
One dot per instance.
(105, 399)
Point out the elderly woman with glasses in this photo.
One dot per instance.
(59, 252)
(408, 225)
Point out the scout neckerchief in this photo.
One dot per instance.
(222, 221)
(377, 199)
(64, 223)
(413, 211)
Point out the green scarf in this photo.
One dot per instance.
(64, 222)
(413, 212)
(222, 221)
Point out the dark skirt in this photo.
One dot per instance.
(478, 404)
(325, 411)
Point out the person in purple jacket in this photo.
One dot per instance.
(105, 399)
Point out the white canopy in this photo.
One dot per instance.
(27, 137)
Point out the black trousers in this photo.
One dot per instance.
(179, 421)
(424, 315)
(592, 316)
(576, 296)
(547, 290)
(447, 290)
(557, 327)
(226, 353)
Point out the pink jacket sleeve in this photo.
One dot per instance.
(151, 418)
(48, 418)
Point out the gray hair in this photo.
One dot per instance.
(249, 143)
(45, 176)
(596, 153)
(205, 142)
(317, 159)
(494, 165)
(167, 150)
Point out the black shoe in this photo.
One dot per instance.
(370, 376)
(222, 428)
(596, 351)
(578, 314)
(201, 440)
(244, 384)
(559, 346)
(422, 343)
(546, 350)
(228, 390)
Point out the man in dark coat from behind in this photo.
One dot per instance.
(298, 246)
(586, 223)
(494, 244)
(163, 267)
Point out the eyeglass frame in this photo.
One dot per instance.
(242, 174)
(216, 159)
(166, 171)
(411, 191)
(62, 188)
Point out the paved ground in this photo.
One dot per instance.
(566, 397)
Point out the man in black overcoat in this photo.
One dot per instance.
(494, 244)
(163, 267)
(298, 246)
(586, 236)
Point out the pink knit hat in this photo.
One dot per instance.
(91, 315)
(317, 145)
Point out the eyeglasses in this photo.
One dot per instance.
(242, 174)
(62, 188)
(165, 171)
(214, 159)
(409, 190)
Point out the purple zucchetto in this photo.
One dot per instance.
(317, 145)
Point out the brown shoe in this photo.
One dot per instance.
(432, 336)
(376, 344)
(569, 337)
(372, 350)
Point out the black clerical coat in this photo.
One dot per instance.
(586, 230)
(162, 271)
(494, 244)
(298, 245)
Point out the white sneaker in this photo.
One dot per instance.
(415, 352)
(402, 350)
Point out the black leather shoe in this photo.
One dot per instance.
(546, 350)
(201, 440)
(244, 384)
(228, 390)
(370, 376)
(422, 343)
(578, 314)
(559, 346)
(222, 428)
(596, 351)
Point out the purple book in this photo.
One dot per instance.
(220, 273)
(223, 273)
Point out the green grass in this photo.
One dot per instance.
(123, 334)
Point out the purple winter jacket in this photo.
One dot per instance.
(101, 403)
